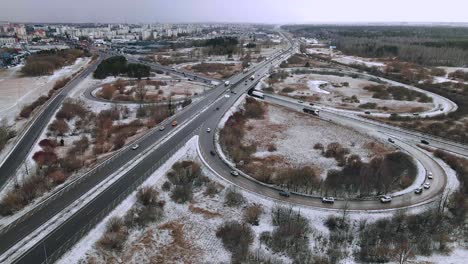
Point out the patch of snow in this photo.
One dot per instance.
(315, 86)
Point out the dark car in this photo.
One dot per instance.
(284, 193)
(367, 112)
(418, 190)
(424, 141)
(212, 153)
(391, 140)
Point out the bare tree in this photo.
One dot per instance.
(140, 91)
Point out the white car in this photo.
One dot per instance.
(208, 130)
(328, 200)
(161, 128)
(385, 199)
(234, 173)
(429, 175)
(427, 185)
(135, 146)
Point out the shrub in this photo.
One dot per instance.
(319, 146)
(254, 109)
(6, 134)
(368, 106)
(233, 198)
(290, 234)
(287, 90)
(182, 193)
(166, 186)
(236, 238)
(252, 214)
(211, 189)
(147, 196)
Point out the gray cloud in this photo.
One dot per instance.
(265, 11)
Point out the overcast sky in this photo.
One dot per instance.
(265, 11)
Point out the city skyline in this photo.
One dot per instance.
(242, 11)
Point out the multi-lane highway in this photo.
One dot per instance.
(203, 114)
(60, 238)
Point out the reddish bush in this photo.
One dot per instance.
(59, 127)
(45, 158)
(57, 176)
(48, 144)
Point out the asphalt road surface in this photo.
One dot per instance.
(61, 236)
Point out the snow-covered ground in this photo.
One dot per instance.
(330, 90)
(295, 135)
(200, 229)
(17, 91)
(314, 86)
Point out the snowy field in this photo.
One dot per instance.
(17, 91)
(332, 91)
(196, 223)
(295, 135)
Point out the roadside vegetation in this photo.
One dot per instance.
(117, 65)
(75, 140)
(47, 61)
(216, 70)
(6, 133)
(28, 110)
(399, 93)
(385, 171)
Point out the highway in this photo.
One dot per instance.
(59, 240)
(223, 169)
(27, 140)
(194, 118)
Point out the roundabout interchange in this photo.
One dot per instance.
(157, 146)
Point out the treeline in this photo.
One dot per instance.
(437, 46)
(47, 61)
(117, 65)
(219, 45)
(416, 53)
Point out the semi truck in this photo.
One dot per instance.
(258, 94)
(314, 112)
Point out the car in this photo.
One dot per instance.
(161, 128)
(385, 199)
(391, 140)
(208, 130)
(424, 141)
(415, 114)
(233, 92)
(135, 146)
(284, 193)
(217, 108)
(418, 190)
(427, 185)
(234, 173)
(311, 104)
(367, 112)
(174, 123)
(328, 200)
(300, 101)
(213, 153)
(430, 176)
